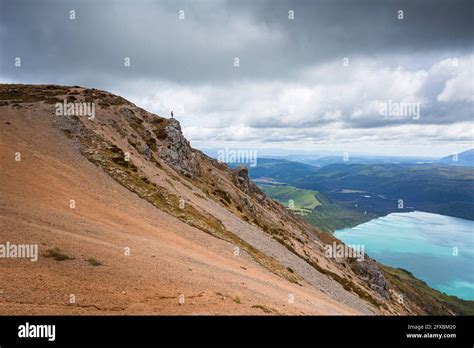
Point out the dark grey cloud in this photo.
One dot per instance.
(201, 48)
(187, 65)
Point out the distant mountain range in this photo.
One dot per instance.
(381, 188)
(324, 158)
(351, 159)
(89, 190)
(465, 158)
(386, 188)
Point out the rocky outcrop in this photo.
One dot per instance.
(242, 180)
(371, 273)
(219, 200)
(145, 151)
(175, 149)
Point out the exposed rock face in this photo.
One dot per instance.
(221, 201)
(374, 276)
(242, 178)
(127, 113)
(176, 150)
(145, 151)
(243, 182)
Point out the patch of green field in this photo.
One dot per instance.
(304, 201)
(330, 216)
(316, 208)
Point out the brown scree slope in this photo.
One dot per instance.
(182, 216)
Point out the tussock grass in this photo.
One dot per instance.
(265, 309)
(111, 159)
(57, 255)
(94, 262)
(430, 300)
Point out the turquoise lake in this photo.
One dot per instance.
(424, 244)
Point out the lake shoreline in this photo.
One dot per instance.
(417, 242)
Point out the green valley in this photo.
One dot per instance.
(315, 207)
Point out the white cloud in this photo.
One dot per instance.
(460, 84)
(327, 106)
(332, 103)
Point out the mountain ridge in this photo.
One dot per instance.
(465, 158)
(149, 156)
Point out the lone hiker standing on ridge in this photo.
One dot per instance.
(172, 114)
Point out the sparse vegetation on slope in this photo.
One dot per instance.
(113, 161)
(149, 156)
(57, 255)
(431, 301)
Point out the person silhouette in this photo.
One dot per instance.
(172, 115)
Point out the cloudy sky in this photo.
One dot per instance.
(372, 76)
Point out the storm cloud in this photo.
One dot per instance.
(311, 74)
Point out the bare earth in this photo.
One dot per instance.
(168, 258)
